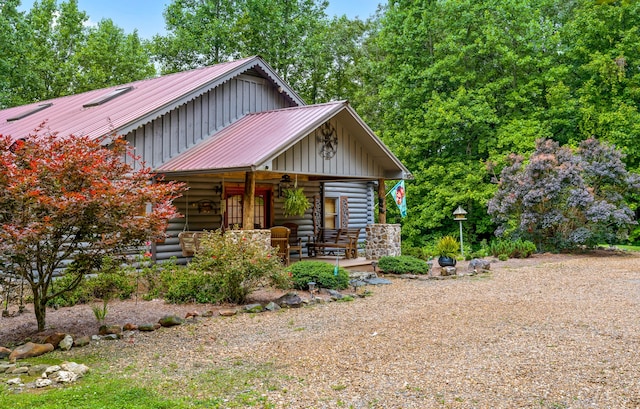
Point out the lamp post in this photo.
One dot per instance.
(459, 215)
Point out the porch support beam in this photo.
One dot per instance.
(382, 202)
(248, 200)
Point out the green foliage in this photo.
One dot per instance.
(229, 268)
(295, 202)
(321, 273)
(447, 246)
(512, 248)
(403, 265)
(110, 282)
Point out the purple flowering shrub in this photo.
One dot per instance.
(563, 198)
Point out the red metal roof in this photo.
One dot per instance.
(253, 139)
(147, 100)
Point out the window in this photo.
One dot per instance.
(107, 97)
(331, 214)
(233, 215)
(29, 112)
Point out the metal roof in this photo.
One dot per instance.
(257, 138)
(253, 139)
(120, 112)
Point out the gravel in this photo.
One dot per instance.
(547, 332)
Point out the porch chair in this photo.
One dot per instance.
(295, 242)
(280, 241)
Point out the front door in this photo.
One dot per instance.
(233, 213)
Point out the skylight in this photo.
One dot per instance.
(30, 112)
(108, 97)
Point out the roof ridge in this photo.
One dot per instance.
(340, 102)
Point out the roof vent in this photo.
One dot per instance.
(108, 97)
(30, 112)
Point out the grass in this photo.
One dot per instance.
(236, 385)
(626, 247)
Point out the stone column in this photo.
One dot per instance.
(382, 240)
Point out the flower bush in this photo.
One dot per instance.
(231, 268)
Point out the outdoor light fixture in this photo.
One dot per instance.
(285, 183)
(312, 288)
(459, 215)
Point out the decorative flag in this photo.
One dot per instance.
(399, 196)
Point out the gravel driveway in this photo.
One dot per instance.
(559, 332)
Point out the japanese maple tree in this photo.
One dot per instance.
(67, 202)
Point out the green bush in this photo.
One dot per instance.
(187, 286)
(321, 273)
(111, 282)
(231, 267)
(403, 265)
(512, 249)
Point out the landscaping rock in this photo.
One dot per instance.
(7, 368)
(111, 337)
(43, 382)
(96, 337)
(191, 314)
(448, 271)
(253, 308)
(37, 370)
(228, 312)
(66, 343)
(479, 265)
(289, 300)
(54, 339)
(335, 295)
(129, 327)
(78, 369)
(4, 352)
(20, 370)
(82, 341)
(170, 321)
(110, 329)
(14, 381)
(148, 327)
(50, 369)
(377, 281)
(272, 306)
(29, 350)
(208, 313)
(65, 376)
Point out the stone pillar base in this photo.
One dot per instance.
(382, 240)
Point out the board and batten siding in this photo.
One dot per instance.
(183, 127)
(352, 158)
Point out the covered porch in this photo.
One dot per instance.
(237, 178)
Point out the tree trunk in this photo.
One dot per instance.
(40, 308)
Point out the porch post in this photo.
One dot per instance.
(248, 200)
(382, 202)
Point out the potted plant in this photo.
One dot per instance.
(295, 202)
(447, 248)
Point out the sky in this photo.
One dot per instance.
(146, 15)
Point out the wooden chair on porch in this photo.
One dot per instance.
(280, 241)
(295, 242)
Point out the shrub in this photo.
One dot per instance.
(233, 267)
(513, 249)
(320, 272)
(110, 282)
(403, 265)
(188, 286)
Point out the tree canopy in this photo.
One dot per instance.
(68, 202)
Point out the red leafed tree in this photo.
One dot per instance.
(67, 202)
